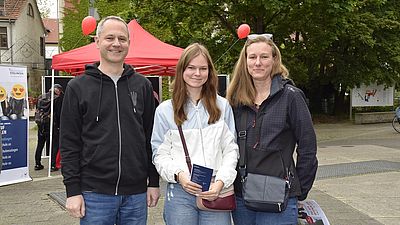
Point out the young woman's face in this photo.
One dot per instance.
(259, 60)
(196, 73)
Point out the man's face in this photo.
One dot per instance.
(113, 42)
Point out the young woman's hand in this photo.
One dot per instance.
(187, 185)
(213, 193)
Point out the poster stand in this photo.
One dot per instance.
(14, 114)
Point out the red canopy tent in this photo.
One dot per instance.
(146, 53)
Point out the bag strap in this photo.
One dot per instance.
(242, 135)
(188, 162)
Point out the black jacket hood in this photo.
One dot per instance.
(278, 83)
(93, 70)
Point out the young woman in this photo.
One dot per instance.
(278, 122)
(209, 129)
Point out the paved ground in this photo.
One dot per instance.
(358, 181)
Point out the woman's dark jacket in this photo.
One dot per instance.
(105, 134)
(281, 125)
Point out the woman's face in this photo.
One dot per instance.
(196, 73)
(259, 60)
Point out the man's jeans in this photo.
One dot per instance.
(245, 216)
(180, 209)
(102, 209)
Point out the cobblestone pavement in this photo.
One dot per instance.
(358, 181)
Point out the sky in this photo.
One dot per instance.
(51, 4)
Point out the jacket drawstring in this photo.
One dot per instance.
(132, 95)
(101, 94)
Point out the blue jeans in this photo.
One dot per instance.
(180, 209)
(102, 209)
(245, 216)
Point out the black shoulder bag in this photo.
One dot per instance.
(261, 192)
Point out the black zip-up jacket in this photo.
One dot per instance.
(105, 134)
(281, 123)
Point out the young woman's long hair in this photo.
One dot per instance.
(241, 90)
(208, 92)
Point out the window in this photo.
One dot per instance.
(3, 37)
(42, 46)
(30, 10)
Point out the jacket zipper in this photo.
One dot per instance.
(254, 126)
(201, 133)
(119, 141)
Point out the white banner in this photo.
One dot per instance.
(14, 114)
(372, 95)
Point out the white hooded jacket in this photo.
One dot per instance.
(210, 145)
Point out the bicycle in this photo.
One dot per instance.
(396, 120)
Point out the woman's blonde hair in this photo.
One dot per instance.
(208, 92)
(241, 90)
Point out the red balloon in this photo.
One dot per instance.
(88, 25)
(243, 31)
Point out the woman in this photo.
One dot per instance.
(278, 120)
(209, 129)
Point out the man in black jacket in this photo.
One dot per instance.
(106, 125)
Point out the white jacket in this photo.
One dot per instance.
(210, 145)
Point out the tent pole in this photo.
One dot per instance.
(51, 121)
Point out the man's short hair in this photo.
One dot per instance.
(101, 24)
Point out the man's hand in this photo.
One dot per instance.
(76, 206)
(153, 194)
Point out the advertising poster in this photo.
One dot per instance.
(372, 95)
(14, 115)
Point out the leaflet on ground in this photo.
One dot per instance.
(311, 213)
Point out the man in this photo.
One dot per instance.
(106, 125)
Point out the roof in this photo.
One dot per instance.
(51, 26)
(12, 8)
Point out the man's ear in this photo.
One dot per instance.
(96, 40)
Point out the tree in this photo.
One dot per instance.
(344, 44)
(329, 46)
(72, 36)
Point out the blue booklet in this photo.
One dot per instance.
(202, 175)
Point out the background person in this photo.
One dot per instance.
(209, 130)
(278, 121)
(58, 100)
(106, 125)
(42, 119)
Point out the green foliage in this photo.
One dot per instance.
(166, 94)
(72, 36)
(121, 8)
(373, 109)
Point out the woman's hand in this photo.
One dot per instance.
(213, 193)
(187, 185)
